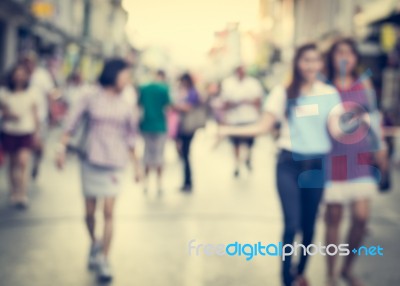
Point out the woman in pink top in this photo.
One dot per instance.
(109, 144)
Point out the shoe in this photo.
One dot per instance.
(351, 279)
(248, 165)
(21, 203)
(104, 272)
(186, 188)
(35, 172)
(301, 281)
(22, 206)
(332, 281)
(94, 253)
(236, 173)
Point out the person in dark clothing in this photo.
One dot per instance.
(189, 100)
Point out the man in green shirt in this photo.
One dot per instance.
(154, 99)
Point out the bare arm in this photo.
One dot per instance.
(392, 131)
(255, 102)
(182, 107)
(7, 114)
(71, 124)
(131, 128)
(264, 125)
(135, 164)
(334, 125)
(36, 118)
(339, 126)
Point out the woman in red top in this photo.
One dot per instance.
(350, 177)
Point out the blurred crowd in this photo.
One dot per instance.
(334, 145)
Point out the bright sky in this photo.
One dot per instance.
(185, 27)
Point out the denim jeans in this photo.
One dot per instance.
(300, 183)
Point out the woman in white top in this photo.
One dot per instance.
(305, 108)
(18, 131)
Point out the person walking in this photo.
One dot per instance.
(309, 111)
(241, 96)
(109, 144)
(188, 102)
(72, 89)
(42, 81)
(153, 100)
(19, 131)
(351, 181)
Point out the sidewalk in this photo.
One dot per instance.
(48, 245)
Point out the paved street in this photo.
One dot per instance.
(48, 245)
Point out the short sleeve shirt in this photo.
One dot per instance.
(42, 81)
(304, 127)
(129, 94)
(20, 104)
(153, 99)
(236, 90)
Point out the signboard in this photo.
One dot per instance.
(43, 9)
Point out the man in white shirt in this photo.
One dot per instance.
(242, 96)
(42, 81)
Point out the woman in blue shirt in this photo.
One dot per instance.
(308, 111)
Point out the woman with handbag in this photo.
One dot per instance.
(350, 176)
(19, 131)
(191, 118)
(109, 144)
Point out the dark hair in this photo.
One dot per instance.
(293, 90)
(187, 79)
(161, 73)
(74, 77)
(10, 82)
(111, 69)
(330, 61)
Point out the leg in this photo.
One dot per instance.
(90, 209)
(146, 159)
(236, 154)
(311, 194)
(249, 143)
(333, 218)
(108, 224)
(310, 201)
(290, 200)
(159, 171)
(37, 159)
(146, 178)
(104, 272)
(186, 143)
(13, 176)
(159, 160)
(95, 245)
(360, 214)
(22, 175)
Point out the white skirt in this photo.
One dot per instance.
(99, 181)
(343, 192)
